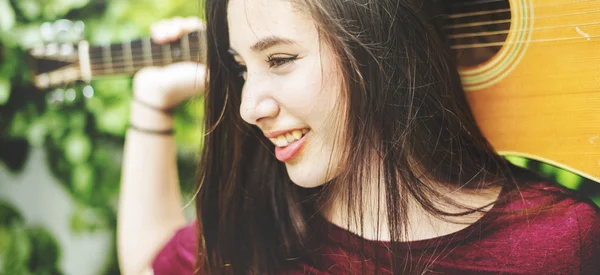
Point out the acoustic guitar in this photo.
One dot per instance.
(530, 68)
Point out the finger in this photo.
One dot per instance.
(169, 30)
(191, 24)
(181, 26)
(160, 31)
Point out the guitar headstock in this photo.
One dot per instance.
(63, 59)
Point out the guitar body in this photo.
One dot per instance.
(538, 95)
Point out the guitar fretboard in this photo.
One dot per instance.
(129, 57)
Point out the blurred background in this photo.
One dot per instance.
(60, 147)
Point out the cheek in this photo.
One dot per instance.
(310, 94)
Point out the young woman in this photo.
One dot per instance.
(338, 141)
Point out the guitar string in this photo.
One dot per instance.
(476, 34)
(549, 5)
(494, 22)
(120, 66)
(115, 53)
(476, 3)
(493, 44)
(536, 17)
(507, 10)
(461, 15)
(137, 62)
(503, 21)
(484, 23)
(115, 56)
(476, 13)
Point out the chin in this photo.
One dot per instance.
(306, 178)
(308, 174)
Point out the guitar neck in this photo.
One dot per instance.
(128, 57)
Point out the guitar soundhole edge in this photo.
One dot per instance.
(477, 29)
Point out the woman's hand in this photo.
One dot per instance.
(167, 86)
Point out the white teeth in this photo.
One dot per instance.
(289, 137)
(297, 134)
(281, 141)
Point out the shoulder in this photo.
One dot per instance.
(562, 229)
(588, 223)
(554, 208)
(178, 256)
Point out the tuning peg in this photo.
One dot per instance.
(78, 28)
(70, 95)
(62, 31)
(47, 32)
(56, 97)
(88, 91)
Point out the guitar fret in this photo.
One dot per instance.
(201, 40)
(147, 51)
(107, 59)
(127, 56)
(167, 59)
(185, 45)
(83, 50)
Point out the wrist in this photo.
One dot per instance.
(159, 108)
(144, 116)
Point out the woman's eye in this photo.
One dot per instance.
(278, 61)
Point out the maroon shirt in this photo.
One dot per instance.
(562, 240)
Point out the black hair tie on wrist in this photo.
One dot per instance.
(168, 132)
(169, 112)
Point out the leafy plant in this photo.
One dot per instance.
(83, 135)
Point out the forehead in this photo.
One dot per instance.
(251, 20)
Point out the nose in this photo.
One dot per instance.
(257, 102)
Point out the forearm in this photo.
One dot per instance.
(150, 208)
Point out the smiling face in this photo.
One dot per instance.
(292, 89)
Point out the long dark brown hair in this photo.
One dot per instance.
(403, 99)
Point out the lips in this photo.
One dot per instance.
(290, 151)
(288, 143)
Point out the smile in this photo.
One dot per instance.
(289, 144)
(289, 137)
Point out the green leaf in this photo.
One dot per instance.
(5, 242)
(82, 180)
(114, 120)
(78, 148)
(45, 252)
(58, 8)
(37, 133)
(7, 15)
(547, 170)
(29, 8)
(19, 251)
(568, 179)
(518, 161)
(4, 90)
(9, 215)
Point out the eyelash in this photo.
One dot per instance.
(283, 60)
(274, 62)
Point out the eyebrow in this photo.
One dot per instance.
(267, 42)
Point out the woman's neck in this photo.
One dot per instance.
(421, 224)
